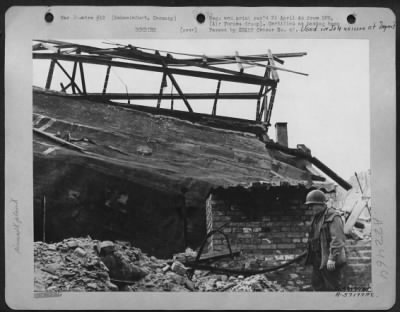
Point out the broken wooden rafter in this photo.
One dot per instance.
(58, 140)
(155, 96)
(68, 75)
(245, 78)
(175, 83)
(315, 161)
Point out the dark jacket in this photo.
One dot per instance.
(326, 239)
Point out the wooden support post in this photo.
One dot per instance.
(172, 98)
(82, 77)
(270, 106)
(239, 62)
(180, 91)
(265, 101)
(73, 78)
(106, 79)
(214, 110)
(172, 78)
(64, 88)
(258, 111)
(274, 73)
(163, 84)
(50, 74)
(69, 77)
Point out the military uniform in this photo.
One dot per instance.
(326, 241)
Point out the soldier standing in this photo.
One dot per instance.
(326, 241)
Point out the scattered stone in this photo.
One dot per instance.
(106, 247)
(144, 150)
(118, 266)
(72, 244)
(189, 284)
(52, 268)
(68, 274)
(92, 285)
(80, 252)
(52, 288)
(293, 275)
(179, 268)
(52, 247)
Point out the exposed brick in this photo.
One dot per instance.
(280, 234)
(269, 246)
(288, 246)
(295, 234)
(221, 218)
(244, 235)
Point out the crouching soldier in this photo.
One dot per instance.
(326, 241)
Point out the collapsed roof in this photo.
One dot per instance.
(166, 149)
(159, 151)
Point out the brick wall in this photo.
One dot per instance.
(259, 224)
(357, 273)
(273, 231)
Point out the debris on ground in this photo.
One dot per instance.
(84, 264)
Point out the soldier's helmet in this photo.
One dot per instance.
(315, 197)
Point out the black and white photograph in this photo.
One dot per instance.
(223, 158)
(201, 165)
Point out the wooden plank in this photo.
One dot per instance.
(160, 95)
(106, 79)
(179, 91)
(73, 77)
(58, 140)
(245, 78)
(355, 213)
(239, 62)
(82, 77)
(274, 74)
(214, 110)
(67, 74)
(155, 96)
(258, 111)
(50, 74)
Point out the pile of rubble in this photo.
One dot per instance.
(83, 264)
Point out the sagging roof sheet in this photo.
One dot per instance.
(160, 151)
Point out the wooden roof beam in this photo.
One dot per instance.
(247, 79)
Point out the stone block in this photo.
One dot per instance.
(179, 268)
(80, 252)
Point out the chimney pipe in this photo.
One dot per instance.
(281, 133)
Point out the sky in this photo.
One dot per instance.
(328, 110)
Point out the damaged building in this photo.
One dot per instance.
(162, 178)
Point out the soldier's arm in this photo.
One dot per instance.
(338, 238)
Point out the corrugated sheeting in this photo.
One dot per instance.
(160, 151)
